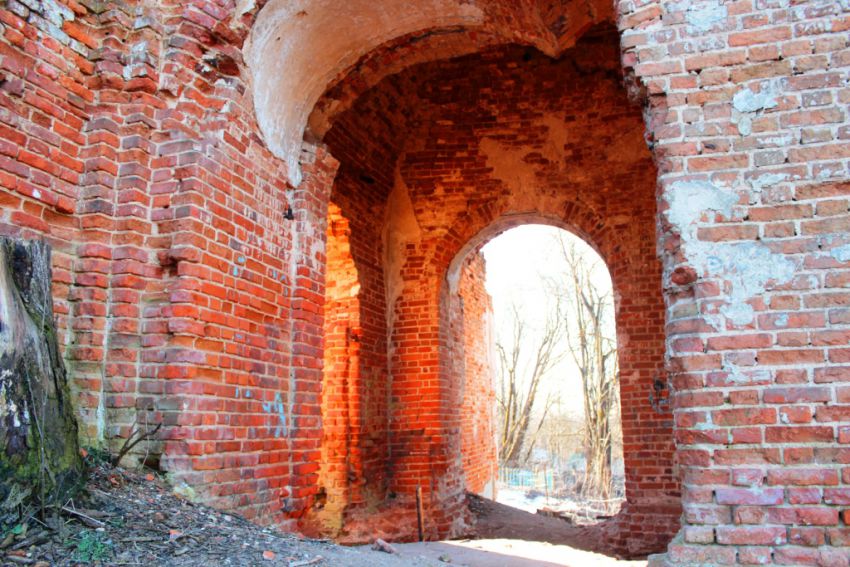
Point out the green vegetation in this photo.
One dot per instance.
(92, 546)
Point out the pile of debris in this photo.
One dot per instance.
(124, 517)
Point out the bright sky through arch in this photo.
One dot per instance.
(520, 264)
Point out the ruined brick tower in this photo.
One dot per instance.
(266, 217)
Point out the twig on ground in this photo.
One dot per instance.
(86, 519)
(136, 436)
(313, 561)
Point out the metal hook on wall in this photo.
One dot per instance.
(659, 402)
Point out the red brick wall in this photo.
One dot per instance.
(488, 140)
(749, 124)
(184, 294)
(477, 428)
(342, 387)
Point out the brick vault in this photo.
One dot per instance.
(266, 220)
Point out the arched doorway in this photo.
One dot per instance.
(433, 157)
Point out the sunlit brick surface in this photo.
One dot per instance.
(157, 146)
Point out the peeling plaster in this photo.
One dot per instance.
(245, 6)
(509, 167)
(296, 49)
(400, 229)
(767, 180)
(826, 173)
(688, 200)
(750, 376)
(842, 253)
(702, 16)
(747, 100)
(747, 266)
(706, 425)
(747, 104)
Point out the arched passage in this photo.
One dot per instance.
(550, 308)
(434, 161)
(650, 514)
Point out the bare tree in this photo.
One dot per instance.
(519, 382)
(593, 347)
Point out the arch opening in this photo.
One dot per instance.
(540, 335)
(436, 159)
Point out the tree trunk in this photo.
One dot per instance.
(39, 456)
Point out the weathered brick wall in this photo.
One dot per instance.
(185, 294)
(46, 99)
(477, 427)
(481, 143)
(748, 117)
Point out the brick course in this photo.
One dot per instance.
(186, 292)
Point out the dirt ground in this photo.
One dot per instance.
(509, 553)
(132, 518)
(128, 518)
(508, 537)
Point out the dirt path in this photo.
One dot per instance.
(131, 518)
(508, 553)
(508, 537)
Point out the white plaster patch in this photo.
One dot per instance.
(767, 180)
(746, 100)
(826, 173)
(744, 123)
(842, 253)
(688, 201)
(56, 13)
(747, 103)
(774, 141)
(245, 6)
(747, 266)
(702, 16)
(751, 376)
(705, 425)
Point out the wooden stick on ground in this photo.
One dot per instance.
(420, 520)
(87, 520)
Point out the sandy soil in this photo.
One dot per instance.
(508, 537)
(509, 553)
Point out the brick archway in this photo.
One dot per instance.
(651, 513)
(189, 260)
(300, 52)
(440, 198)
